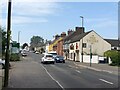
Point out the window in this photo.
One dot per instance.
(72, 47)
(84, 45)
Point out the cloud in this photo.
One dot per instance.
(30, 11)
(89, 20)
(102, 22)
(34, 8)
(26, 20)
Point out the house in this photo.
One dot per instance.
(67, 40)
(60, 44)
(83, 43)
(53, 45)
(114, 44)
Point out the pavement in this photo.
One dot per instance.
(1, 77)
(99, 67)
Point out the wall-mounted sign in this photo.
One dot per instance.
(92, 39)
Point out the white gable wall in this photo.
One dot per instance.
(99, 45)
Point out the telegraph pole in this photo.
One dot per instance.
(6, 72)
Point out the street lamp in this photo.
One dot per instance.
(82, 38)
(19, 36)
(82, 20)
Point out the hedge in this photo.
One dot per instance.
(114, 55)
(15, 57)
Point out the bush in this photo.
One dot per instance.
(15, 57)
(114, 55)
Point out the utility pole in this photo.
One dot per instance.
(82, 38)
(6, 72)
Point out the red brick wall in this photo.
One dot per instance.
(60, 48)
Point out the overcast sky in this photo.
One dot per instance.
(47, 19)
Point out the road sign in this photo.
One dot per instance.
(16, 45)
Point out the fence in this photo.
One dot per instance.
(86, 59)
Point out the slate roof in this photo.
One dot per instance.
(113, 42)
(67, 38)
(74, 36)
(79, 36)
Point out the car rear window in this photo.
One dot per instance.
(49, 56)
(53, 53)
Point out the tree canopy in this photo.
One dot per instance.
(37, 41)
(2, 40)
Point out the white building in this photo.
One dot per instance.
(86, 43)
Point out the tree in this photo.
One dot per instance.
(36, 41)
(24, 45)
(47, 41)
(2, 40)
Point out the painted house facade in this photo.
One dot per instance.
(83, 44)
(57, 44)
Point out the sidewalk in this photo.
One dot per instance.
(1, 77)
(98, 67)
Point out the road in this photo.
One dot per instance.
(30, 73)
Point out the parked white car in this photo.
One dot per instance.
(2, 62)
(48, 58)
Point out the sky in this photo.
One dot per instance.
(46, 19)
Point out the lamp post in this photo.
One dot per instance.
(19, 36)
(6, 72)
(82, 38)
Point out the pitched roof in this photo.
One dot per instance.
(79, 36)
(69, 36)
(113, 42)
(54, 42)
(74, 36)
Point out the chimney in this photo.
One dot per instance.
(57, 36)
(80, 29)
(70, 31)
(63, 34)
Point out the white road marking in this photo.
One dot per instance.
(77, 71)
(52, 77)
(106, 81)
